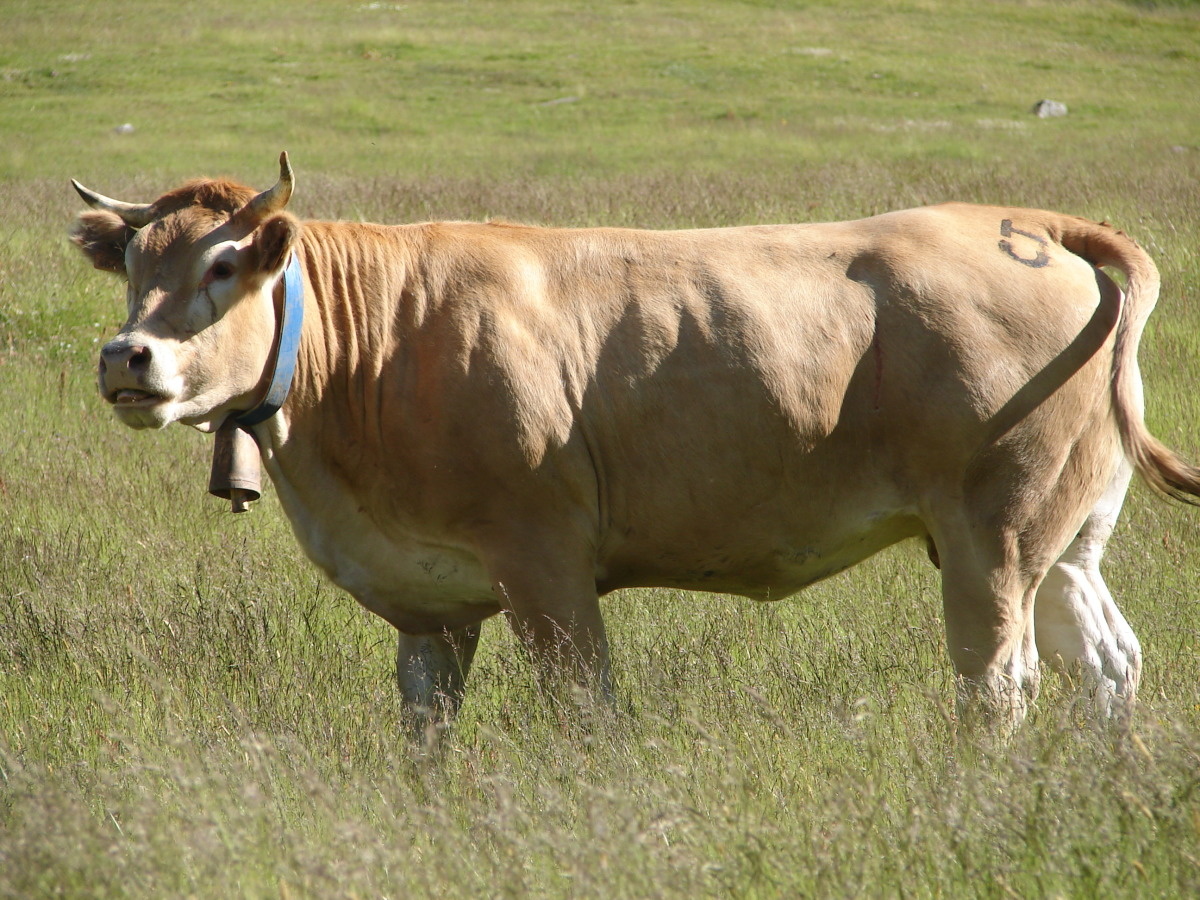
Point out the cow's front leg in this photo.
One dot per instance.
(558, 621)
(432, 672)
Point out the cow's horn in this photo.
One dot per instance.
(276, 198)
(135, 215)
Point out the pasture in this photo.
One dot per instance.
(187, 708)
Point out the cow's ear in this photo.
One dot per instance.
(274, 241)
(103, 237)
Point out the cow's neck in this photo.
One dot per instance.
(354, 315)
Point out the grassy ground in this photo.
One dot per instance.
(188, 709)
(496, 88)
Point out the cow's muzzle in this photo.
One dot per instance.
(123, 368)
(126, 376)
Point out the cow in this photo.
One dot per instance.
(492, 418)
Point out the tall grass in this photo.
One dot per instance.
(188, 709)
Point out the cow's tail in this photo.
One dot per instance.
(1162, 468)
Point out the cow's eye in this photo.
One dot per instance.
(220, 271)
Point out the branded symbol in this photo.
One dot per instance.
(1007, 230)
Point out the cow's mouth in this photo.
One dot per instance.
(134, 398)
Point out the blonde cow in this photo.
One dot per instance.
(468, 419)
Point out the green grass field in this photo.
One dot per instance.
(188, 709)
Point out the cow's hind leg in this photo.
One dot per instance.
(988, 602)
(1079, 628)
(432, 672)
(997, 548)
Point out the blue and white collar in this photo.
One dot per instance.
(291, 321)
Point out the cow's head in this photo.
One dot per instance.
(201, 264)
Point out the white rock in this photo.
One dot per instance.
(1049, 109)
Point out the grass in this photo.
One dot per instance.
(188, 709)
(495, 89)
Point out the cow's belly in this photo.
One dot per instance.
(759, 563)
(418, 585)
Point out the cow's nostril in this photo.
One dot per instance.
(134, 358)
(139, 359)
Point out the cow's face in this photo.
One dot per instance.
(200, 293)
(201, 324)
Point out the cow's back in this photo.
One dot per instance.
(765, 406)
